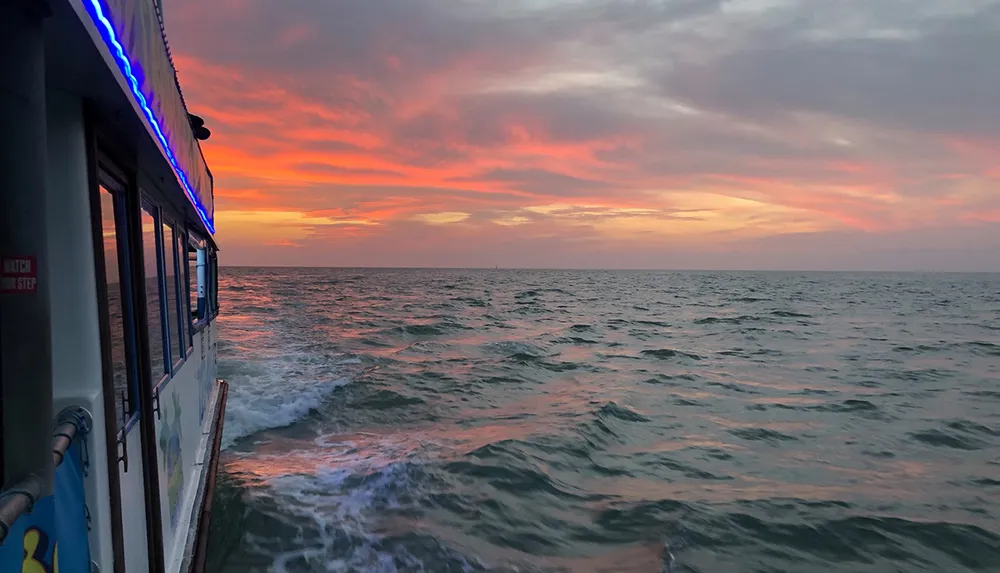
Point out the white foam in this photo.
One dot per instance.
(321, 502)
(273, 394)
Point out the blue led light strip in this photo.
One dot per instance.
(108, 33)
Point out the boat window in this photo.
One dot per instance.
(215, 284)
(182, 299)
(154, 321)
(192, 276)
(207, 285)
(169, 254)
(116, 310)
(196, 279)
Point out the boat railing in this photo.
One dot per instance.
(72, 423)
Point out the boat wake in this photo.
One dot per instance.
(275, 393)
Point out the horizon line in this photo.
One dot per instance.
(633, 269)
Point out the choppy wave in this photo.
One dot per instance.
(668, 353)
(530, 421)
(274, 393)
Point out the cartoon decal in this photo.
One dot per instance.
(170, 445)
(36, 546)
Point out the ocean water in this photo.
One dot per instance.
(635, 422)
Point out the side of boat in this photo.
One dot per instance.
(111, 413)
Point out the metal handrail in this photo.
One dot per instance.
(20, 498)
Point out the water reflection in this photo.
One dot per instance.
(154, 320)
(119, 366)
(172, 303)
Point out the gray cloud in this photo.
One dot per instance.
(539, 182)
(484, 120)
(935, 76)
(893, 63)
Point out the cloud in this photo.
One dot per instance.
(602, 126)
(443, 218)
(932, 76)
(538, 182)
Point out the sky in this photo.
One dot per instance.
(705, 134)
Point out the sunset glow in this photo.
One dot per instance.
(661, 134)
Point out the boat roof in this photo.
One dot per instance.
(145, 98)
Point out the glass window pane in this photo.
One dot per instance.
(116, 314)
(182, 299)
(193, 282)
(208, 284)
(215, 284)
(157, 365)
(170, 281)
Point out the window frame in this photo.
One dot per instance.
(213, 284)
(170, 338)
(113, 183)
(198, 324)
(177, 238)
(146, 204)
(186, 263)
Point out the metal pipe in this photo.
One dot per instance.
(19, 499)
(16, 502)
(71, 421)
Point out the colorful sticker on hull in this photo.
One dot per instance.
(170, 445)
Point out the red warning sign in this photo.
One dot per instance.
(18, 274)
